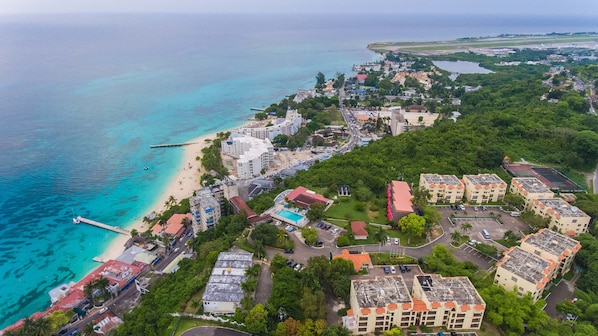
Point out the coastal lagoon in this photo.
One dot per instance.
(83, 97)
(461, 67)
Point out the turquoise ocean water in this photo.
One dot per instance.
(83, 97)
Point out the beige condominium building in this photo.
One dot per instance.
(525, 272)
(530, 188)
(378, 304)
(564, 217)
(484, 188)
(442, 188)
(552, 246)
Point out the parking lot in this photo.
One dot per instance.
(407, 276)
(489, 219)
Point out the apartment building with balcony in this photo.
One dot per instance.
(442, 188)
(530, 188)
(378, 304)
(484, 188)
(553, 246)
(525, 272)
(288, 126)
(564, 217)
(205, 210)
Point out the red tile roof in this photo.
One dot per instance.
(241, 206)
(401, 196)
(358, 229)
(305, 197)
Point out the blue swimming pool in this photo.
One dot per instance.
(291, 216)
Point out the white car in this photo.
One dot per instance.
(393, 270)
(462, 207)
(396, 241)
(103, 310)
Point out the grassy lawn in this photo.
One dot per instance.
(340, 223)
(346, 210)
(245, 245)
(388, 259)
(188, 323)
(504, 242)
(462, 240)
(404, 238)
(569, 275)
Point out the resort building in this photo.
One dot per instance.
(553, 246)
(359, 231)
(564, 217)
(442, 188)
(399, 198)
(223, 293)
(484, 188)
(304, 198)
(380, 303)
(288, 126)
(416, 118)
(360, 260)
(530, 188)
(174, 227)
(253, 155)
(205, 210)
(525, 272)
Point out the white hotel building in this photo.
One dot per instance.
(288, 126)
(253, 155)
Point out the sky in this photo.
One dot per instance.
(513, 7)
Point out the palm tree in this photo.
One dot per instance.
(456, 236)
(466, 226)
(379, 237)
(88, 330)
(41, 327)
(88, 292)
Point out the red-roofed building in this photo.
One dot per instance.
(304, 197)
(240, 206)
(359, 230)
(399, 198)
(361, 78)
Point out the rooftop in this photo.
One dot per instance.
(358, 259)
(531, 184)
(526, 265)
(240, 204)
(485, 180)
(228, 274)
(450, 180)
(562, 208)
(401, 196)
(457, 289)
(380, 291)
(552, 242)
(358, 228)
(305, 196)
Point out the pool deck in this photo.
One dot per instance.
(277, 208)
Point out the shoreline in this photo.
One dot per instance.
(181, 186)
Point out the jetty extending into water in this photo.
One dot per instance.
(257, 109)
(173, 145)
(103, 226)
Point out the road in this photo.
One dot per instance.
(129, 297)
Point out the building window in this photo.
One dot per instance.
(514, 279)
(363, 329)
(363, 324)
(363, 318)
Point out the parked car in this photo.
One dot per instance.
(396, 241)
(484, 208)
(320, 225)
(475, 208)
(328, 226)
(103, 310)
(386, 269)
(402, 268)
(393, 270)
(462, 207)
(297, 267)
(289, 251)
(335, 230)
(407, 268)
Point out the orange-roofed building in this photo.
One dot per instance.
(381, 303)
(442, 188)
(360, 260)
(174, 226)
(525, 271)
(553, 246)
(399, 198)
(359, 231)
(484, 188)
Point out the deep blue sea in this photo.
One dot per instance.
(82, 97)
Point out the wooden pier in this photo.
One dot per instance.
(173, 145)
(257, 109)
(103, 226)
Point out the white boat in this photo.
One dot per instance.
(76, 219)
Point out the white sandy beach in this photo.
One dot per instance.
(182, 186)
